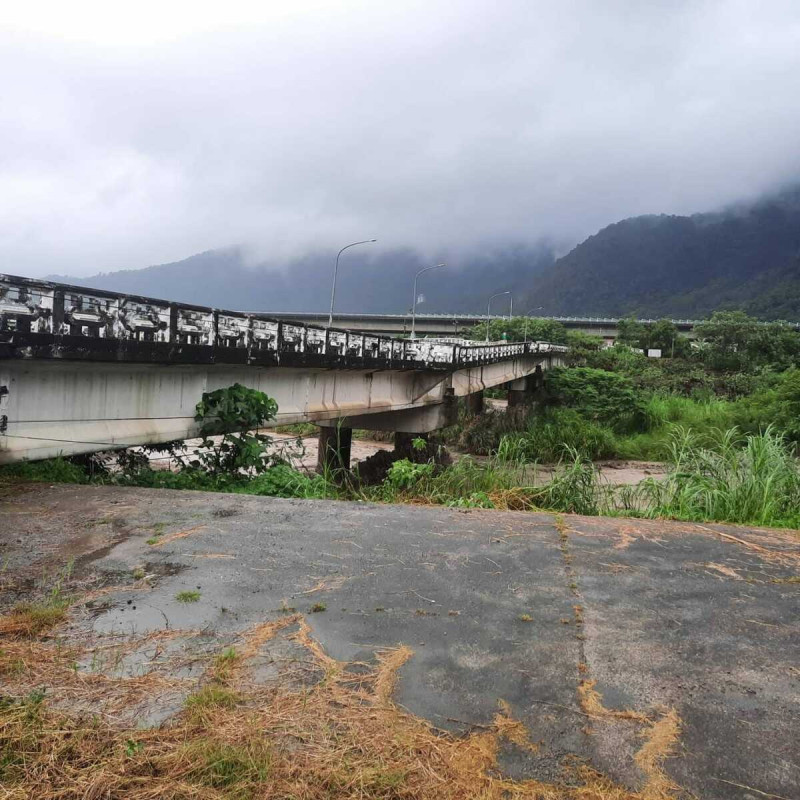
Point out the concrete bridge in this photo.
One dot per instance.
(83, 370)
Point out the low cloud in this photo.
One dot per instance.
(441, 126)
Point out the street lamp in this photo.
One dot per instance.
(527, 317)
(335, 272)
(487, 311)
(414, 306)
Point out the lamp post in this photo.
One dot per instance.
(414, 306)
(336, 271)
(527, 317)
(488, 305)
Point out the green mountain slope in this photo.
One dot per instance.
(746, 257)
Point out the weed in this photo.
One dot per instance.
(317, 607)
(227, 656)
(52, 470)
(133, 748)
(212, 696)
(188, 596)
(525, 618)
(9, 666)
(221, 766)
(32, 618)
(138, 573)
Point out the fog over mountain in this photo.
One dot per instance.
(375, 283)
(133, 135)
(746, 256)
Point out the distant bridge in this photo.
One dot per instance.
(84, 369)
(453, 324)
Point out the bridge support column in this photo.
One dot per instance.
(519, 394)
(522, 392)
(334, 448)
(475, 403)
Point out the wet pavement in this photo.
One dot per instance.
(591, 629)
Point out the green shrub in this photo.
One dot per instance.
(604, 397)
(282, 480)
(780, 404)
(404, 474)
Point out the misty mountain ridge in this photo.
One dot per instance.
(379, 283)
(746, 256)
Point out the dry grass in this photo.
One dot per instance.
(339, 738)
(592, 703)
(660, 741)
(32, 619)
(660, 737)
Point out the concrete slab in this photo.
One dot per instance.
(592, 630)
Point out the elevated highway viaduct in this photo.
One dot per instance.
(456, 324)
(83, 370)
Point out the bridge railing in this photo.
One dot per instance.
(42, 319)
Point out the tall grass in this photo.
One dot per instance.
(505, 481)
(728, 477)
(719, 475)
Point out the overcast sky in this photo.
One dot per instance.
(138, 133)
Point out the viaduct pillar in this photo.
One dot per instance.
(475, 403)
(334, 448)
(522, 392)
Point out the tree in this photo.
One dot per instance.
(518, 329)
(734, 341)
(631, 332)
(664, 335)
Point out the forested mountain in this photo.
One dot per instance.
(380, 283)
(745, 257)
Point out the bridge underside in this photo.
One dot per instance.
(65, 407)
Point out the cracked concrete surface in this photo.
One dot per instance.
(531, 609)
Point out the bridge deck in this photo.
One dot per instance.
(39, 319)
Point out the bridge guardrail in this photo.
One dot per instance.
(42, 319)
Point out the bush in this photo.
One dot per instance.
(780, 404)
(282, 480)
(600, 396)
(235, 412)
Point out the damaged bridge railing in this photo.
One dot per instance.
(41, 319)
